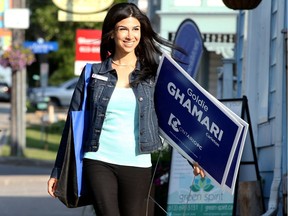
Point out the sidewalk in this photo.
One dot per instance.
(23, 190)
(23, 182)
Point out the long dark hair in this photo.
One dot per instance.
(149, 48)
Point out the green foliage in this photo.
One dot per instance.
(44, 24)
(45, 137)
(165, 155)
(42, 141)
(17, 57)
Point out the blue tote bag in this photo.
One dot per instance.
(79, 121)
(70, 188)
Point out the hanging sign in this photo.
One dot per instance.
(83, 7)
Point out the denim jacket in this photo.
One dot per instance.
(99, 91)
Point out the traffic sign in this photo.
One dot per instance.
(41, 47)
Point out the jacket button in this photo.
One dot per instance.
(140, 99)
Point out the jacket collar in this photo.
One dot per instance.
(106, 66)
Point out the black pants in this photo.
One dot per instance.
(117, 190)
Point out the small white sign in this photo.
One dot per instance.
(79, 65)
(16, 18)
(93, 17)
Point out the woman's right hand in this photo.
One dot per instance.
(52, 185)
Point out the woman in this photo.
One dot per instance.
(123, 128)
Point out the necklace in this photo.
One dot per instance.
(122, 65)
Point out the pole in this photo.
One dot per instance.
(18, 100)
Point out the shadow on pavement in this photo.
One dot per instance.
(39, 206)
(23, 191)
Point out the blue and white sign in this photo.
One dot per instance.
(189, 38)
(192, 195)
(41, 47)
(195, 123)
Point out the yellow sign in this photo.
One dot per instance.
(83, 6)
(96, 17)
(5, 39)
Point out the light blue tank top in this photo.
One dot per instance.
(119, 136)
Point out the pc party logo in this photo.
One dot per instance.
(174, 122)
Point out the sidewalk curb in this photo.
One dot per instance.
(20, 161)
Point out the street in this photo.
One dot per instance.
(23, 183)
(23, 191)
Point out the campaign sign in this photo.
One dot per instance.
(235, 164)
(194, 122)
(189, 38)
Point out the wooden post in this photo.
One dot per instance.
(250, 198)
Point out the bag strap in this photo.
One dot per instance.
(88, 70)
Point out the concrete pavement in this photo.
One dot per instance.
(23, 182)
(23, 190)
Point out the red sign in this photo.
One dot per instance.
(88, 45)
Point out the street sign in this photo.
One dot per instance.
(41, 47)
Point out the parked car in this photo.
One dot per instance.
(59, 96)
(5, 91)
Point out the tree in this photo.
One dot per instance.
(44, 24)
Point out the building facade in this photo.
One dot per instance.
(216, 23)
(261, 60)
(254, 45)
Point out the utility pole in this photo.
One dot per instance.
(18, 99)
